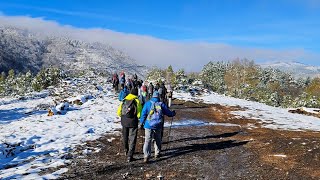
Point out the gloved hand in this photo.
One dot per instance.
(174, 113)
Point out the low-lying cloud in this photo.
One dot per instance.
(151, 51)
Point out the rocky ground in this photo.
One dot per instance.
(244, 150)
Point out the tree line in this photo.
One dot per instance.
(246, 80)
(239, 78)
(12, 84)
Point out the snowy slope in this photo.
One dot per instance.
(271, 117)
(295, 68)
(43, 141)
(46, 141)
(23, 50)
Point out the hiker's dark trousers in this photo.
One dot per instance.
(129, 135)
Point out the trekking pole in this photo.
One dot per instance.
(169, 134)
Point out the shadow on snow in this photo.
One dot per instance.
(8, 116)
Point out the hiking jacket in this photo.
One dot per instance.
(128, 122)
(142, 97)
(123, 93)
(146, 110)
(150, 89)
(164, 91)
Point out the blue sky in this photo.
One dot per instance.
(268, 24)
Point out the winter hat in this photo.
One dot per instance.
(134, 91)
(155, 94)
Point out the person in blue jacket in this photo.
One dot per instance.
(123, 93)
(153, 130)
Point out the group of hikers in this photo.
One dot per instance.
(142, 106)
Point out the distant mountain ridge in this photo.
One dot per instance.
(22, 50)
(297, 69)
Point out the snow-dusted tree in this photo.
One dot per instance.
(45, 78)
(181, 77)
(170, 75)
(3, 76)
(314, 88)
(10, 83)
(2, 82)
(193, 77)
(213, 74)
(241, 77)
(23, 83)
(156, 74)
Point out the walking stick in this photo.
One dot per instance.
(169, 134)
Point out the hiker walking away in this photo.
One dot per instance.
(140, 83)
(122, 74)
(123, 79)
(130, 84)
(129, 111)
(123, 93)
(162, 93)
(169, 95)
(150, 90)
(115, 82)
(156, 88)
(151, 119)
(136, 83)
(143, 95)
(135, 77)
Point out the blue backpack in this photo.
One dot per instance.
(155, 116)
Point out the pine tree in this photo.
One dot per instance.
(156, 74)
(170, 76)
(212, 75)
(10, 83)
(181, 77)
(45, 78)
(2, 83)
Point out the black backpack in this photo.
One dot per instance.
(129, 108)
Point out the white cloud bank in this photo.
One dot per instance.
(154, 51)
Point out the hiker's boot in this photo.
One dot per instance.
(130, 159)
(157, 156)
(146, 160)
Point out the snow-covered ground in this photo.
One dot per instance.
(37, 141)
(271, 117)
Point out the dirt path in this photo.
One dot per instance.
(208, 152)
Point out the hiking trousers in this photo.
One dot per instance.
(149, 134)
(129, 135)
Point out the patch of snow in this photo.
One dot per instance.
(186, 123)
(279, 155)
(111, 139)
(272, 117)
(51, 137)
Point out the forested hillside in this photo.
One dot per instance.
(22, 51)
(247, 80)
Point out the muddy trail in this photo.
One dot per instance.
(207, 142)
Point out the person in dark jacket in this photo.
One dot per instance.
(162, 93)
(115, 82)
(153, 131)
(143, 95)
(150, 91)
(130, 125)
